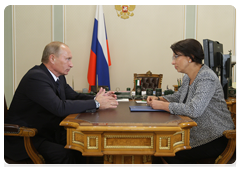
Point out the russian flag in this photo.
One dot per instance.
(98, 71)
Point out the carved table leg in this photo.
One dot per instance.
(127, 159)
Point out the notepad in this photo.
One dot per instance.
(144, 109)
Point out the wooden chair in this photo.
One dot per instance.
(149, 80)
(229, 157)
(26, 133)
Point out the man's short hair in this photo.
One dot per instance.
(51, 48)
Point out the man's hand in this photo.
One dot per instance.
(106, 100)
(111, 94)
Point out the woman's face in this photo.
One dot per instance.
(180, 62)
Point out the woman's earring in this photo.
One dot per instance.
(190, 61)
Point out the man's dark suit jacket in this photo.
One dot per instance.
(37, 104)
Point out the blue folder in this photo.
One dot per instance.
(144, 109)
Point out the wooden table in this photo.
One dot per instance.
(125, 137)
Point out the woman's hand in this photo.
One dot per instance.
(151, 98)
(157, 104)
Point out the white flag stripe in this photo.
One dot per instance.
(102, 33)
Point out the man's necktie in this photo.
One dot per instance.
(58, 86)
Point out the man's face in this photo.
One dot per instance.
(63, 62)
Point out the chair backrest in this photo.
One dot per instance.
(233, 115)
(148, 80)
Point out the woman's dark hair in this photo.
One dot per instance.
(191, 48)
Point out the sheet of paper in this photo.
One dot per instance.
(141, 101)
(123, 100)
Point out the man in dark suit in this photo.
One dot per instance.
(43, 99)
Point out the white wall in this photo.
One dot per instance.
(137, 45)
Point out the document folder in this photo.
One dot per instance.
(144, 109)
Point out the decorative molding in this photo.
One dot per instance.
(88, 142)
(160, 143)
(182, 141)
(127, 146)
(149, 73)
(147, 158)
(73, 138)
(108, 158)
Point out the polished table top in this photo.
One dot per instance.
(123, 116)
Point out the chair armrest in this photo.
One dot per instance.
(26, 133)
(12, 128)
(16, 130)
(230, 148)
(230, 134)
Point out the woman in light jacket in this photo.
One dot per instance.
(201, 98)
